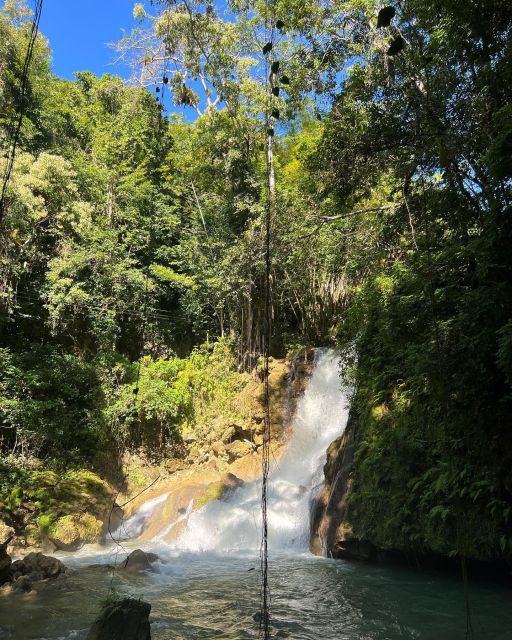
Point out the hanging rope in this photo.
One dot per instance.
(18, 117)
(271, 85)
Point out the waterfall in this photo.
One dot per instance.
(233, 524)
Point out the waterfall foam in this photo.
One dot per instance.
(233, 525)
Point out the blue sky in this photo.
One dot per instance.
(79, 31)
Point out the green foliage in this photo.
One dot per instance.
(50, 402)
(172, 395)
(426, 329)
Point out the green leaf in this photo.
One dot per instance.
(168, 275)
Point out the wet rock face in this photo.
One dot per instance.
(218, 490)
(126, 619)
(331, 529)
(170, 518)
(138, 561)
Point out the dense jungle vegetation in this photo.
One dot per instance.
(132, 245)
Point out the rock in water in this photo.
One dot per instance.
(126, 619)
(39, 567)
(23, 584)
(5, 563)
(139, 560)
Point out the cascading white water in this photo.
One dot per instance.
(133, 527)
(234, 524)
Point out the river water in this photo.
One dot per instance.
(206, 584)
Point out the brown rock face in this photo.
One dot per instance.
(238, 449)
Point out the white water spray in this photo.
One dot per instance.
(234, 524)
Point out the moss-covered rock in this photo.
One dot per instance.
(71, 532)
(67, 509)
(217, 490)
(122, 620)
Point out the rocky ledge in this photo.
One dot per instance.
(21, 575)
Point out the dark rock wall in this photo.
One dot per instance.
(331, 532)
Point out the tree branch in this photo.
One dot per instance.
(355, 213)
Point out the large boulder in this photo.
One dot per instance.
(71, 532)
(238, 449)
(37, 566)
(32, 568)
(126, 619)
(139, 560)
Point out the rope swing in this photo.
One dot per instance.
(271, 116)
